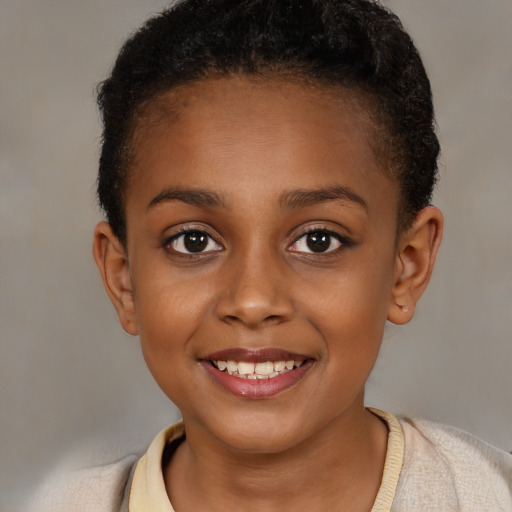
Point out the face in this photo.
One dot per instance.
(261, 251)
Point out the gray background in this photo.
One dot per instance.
(70, 377)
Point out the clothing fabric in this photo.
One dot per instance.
(429, 468)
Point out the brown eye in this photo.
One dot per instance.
(193, 242)
(317, 242)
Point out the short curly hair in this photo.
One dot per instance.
(357, 45)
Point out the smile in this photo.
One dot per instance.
(263, 370)
(256, 374)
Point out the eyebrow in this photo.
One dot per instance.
(293, 199)
(303, 198)
(195, 197)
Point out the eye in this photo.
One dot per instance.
(192, 242)
(317, 242)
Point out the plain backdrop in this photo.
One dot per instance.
(69, 376)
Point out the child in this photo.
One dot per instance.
(266, 171)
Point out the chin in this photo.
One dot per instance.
(263, 444)
(260, 435)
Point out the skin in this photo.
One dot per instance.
(253, 144)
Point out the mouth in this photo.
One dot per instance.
(256, 373)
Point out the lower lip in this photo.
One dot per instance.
(257, 388)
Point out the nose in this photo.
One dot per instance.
(254, 294)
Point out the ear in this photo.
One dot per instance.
(416, 255)
(112, 263)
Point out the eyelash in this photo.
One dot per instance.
(315, 230)
(319, 230)
(168, 242)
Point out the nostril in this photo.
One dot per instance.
(254, 303)
(253, 320)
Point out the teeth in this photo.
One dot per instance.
(263, 368)
(260, 371)
(279, 366)
(246, 368)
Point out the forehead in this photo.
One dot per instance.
(238, 134)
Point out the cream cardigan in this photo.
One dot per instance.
(429, 468)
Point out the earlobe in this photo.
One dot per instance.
(112, 263)
(415, 259)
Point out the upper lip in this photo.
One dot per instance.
(254, 355)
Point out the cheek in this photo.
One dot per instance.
(349, 308)
(351, 297)
(169, 311)
(166, 324)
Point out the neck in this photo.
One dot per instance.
(340, 468)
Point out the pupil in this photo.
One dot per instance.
(318, 242)
(195, 241)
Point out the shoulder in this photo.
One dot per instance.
(452, 469)
(91, 489)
